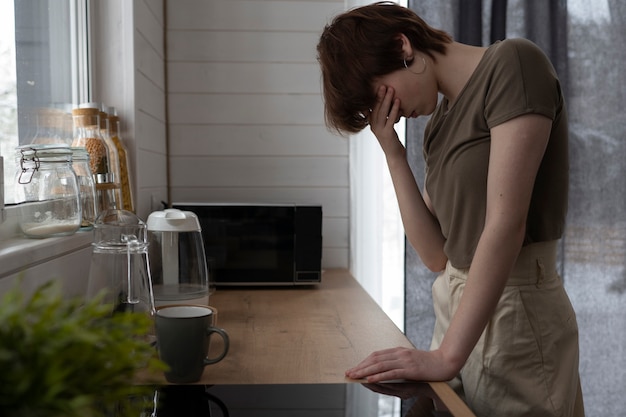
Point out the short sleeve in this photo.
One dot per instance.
(523, 81)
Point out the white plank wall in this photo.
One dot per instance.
(150, 105)
(246, 117)
(129, 74)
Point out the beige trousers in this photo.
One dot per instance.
(526, 361)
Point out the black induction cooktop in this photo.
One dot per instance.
(298, 400)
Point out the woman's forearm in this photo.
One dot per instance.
(495, 256)
(421, 227)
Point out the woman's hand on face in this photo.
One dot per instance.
(383, 116)
(403, 363)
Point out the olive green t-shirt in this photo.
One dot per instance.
(513, 78)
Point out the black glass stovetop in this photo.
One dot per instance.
(298, 400)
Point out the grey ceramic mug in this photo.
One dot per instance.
(183, 335)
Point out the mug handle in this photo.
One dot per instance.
(221, 332)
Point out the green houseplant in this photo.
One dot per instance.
(61, 357)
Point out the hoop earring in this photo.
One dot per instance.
(413, 72)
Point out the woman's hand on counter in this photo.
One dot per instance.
(404, 363)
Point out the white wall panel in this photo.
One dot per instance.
(150, 149)
(152, 173)
(262, 140)
(149, 21)
(150, 199)
(251, 78)
(335, 232)
(258, 171)
(238, 109)
(335, 257)
(152, 132)
(229, 46)
(149, 61)
(150, 98)
(254, 15)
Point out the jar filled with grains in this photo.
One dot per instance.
(87, 135)
(114, 158)
(127, 192)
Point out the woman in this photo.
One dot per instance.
(492, 209)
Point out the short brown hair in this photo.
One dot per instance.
(361, 45)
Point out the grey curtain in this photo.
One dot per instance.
(585, 42)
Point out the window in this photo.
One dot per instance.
(8, 94)
(43, 71)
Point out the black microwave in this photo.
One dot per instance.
(260, 244)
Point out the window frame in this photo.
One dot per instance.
(81, 79)
(77, 62)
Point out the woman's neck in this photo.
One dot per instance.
(454, 69)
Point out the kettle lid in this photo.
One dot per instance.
(173, 220)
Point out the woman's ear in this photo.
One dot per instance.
(407, 48)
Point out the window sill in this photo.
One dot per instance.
(18, 253)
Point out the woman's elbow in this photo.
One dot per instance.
(435, 263)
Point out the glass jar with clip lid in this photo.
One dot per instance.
(46, 191)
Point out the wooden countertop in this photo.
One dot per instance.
(307, 335)
(298, 335)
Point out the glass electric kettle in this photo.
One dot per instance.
(178, 265)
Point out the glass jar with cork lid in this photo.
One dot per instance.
(125, 179)
(87, 135)
(114, 159)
